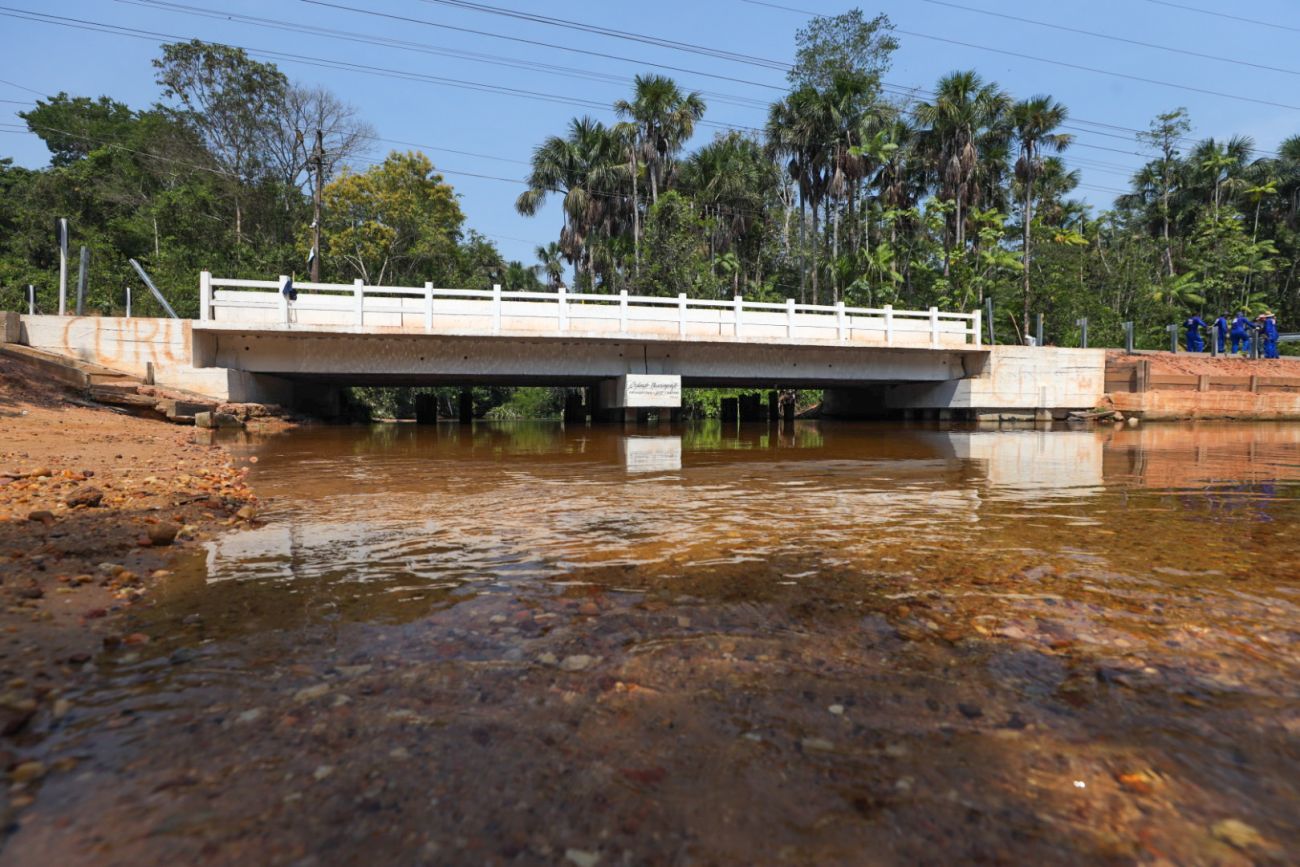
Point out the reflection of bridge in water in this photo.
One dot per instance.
(499, 502)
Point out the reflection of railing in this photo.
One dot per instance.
(470, 311)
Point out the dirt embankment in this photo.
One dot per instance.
(94, 506)
(1188, 364)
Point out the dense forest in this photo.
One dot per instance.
(849, 193)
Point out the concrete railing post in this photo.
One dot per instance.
(789, 318)
(563, 306)
(889, 324)
(205, 296)
(496, 308)
(428, 306)
(841, 322)
(622, 311)
(934, 327)
(359, 292)
(737, 304)
(284, 299)
(681, 314)
(977, 327)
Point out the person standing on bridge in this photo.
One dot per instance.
(1268, 329)
(1241, 333)
(1194, 324)
(1221, 332)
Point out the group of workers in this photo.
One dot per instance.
(1238, 332)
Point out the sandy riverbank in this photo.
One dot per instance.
(95, 505)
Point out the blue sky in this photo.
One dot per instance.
(496, 131)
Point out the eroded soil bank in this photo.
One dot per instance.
(95, 507)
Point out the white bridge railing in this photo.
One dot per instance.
(496, 312)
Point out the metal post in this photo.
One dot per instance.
(988, 312)
(1083, 332)
(31, 300)
(1215, 332)
(1128, 338)
(63, 266)
(1039, 333)
(83, 274)
(128, 301)
(152, 288)
(1173, 337)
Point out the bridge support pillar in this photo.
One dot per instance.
(575, 411)
(426, 408)
(632, 397)
(466, 413)
(773, 406)
(729, 410)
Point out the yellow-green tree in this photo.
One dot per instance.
(397, 223)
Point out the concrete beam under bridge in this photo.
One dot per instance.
(417, 359)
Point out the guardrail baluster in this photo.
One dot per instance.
(428, 306)
(496, 308)
(564, 311)
(205, 296)
(738, 302)
(840, 322)
(359, 290)
(789, 318)
(284, 299)
(889, 324)
(976, 325)
(934, 327)
(622, 311)
(681, 314)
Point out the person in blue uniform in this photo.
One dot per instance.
(1194, 324)
(1221, 332)
(1268, 328)
(1240, 333)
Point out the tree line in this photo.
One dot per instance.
(845, 194)
(848, 194)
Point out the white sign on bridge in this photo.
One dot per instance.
(643, 391)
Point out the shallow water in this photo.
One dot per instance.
(820, 644)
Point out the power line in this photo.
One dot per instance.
(419, 47)
(1113, 38)
(1187, 8)
(717, 53)
(1062, 63)
(329, 63)
(537, 43)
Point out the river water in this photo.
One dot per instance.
(825, 644)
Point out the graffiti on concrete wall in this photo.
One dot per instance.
(125, 343)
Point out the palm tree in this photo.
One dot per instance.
(795, 133)
(587, 168)
(550, 259)
(1036, 121)
(665, 119)
(729, 179)
(964, 110)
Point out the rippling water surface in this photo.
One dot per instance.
(810, 645)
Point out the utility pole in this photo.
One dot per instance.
(318, 159)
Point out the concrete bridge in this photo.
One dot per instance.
(252, 343)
